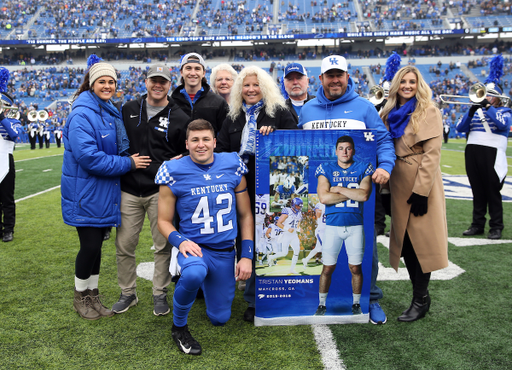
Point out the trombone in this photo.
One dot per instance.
(477, 94)
(10, 112)
(376, 95)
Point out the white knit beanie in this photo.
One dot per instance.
(101, 69)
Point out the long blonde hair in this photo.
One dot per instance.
(423, 97)
(271, 94)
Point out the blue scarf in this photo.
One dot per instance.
(399, 118)
(122, 138)
(248, 142)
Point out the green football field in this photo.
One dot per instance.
(467, 326)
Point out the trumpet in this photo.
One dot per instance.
(376, 95)
(477, 94)
(10, 112)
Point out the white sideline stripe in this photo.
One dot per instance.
(327, 348)
(29, 159)
(36, 194)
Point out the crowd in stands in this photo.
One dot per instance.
(166, 18)
(15, 14)
(495, 7)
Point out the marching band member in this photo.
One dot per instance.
(9, 131)
(487, 126)
(58, 134)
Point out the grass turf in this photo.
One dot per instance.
(467, 327)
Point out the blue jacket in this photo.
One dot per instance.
(349, 112)
(90, 183)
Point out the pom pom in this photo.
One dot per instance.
(4, 79)
(92, 60)
(496, 69)
(392, 66)
(283, 90)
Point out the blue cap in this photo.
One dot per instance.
(295, 67)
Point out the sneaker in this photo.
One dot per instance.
(473, 231)
(161, 307)
(356, 309)
(494, 234)
(320, 311)
(184, 340)
(377, 315)
(124, 303)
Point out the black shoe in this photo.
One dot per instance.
(8, 237)
(379, 231)
(320, 311)
(160, 305)
(249, 314)
(184, 340)
(124, 303)
(473, 231)
(387, 234)
(418, 309)
(356, 309)
(493, 234)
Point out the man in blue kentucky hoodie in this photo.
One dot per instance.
(338, 106)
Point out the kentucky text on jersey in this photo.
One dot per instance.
(220, 188)
(334, 124)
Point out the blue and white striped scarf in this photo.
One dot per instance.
(248, 143)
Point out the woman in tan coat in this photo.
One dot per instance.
(418, 209)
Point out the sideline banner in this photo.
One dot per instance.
(290, 228)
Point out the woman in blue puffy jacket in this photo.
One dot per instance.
(94, 141)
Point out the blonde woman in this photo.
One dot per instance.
(256, 104)
(222, 79)
(418, 210)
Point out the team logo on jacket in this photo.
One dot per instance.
(163, 124)
(207, 177)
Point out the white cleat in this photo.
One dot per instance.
(304, 263)
(293, 272)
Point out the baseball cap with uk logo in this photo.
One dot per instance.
(159, 70)
(334, 62)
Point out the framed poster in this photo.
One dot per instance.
(313, 257)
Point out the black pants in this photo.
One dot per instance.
(40, 138)
(32, 140)
(57, 140)
(47, 141)
(88, 259)
(485, 185)
(419, 280)
(380, 213)
(7, 205)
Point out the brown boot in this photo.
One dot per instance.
(98, 306)
(83, 305)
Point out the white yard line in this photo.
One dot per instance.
(327, 348)
(36, 194)
(29, 159)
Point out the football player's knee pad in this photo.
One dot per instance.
(220, 318)
(193, 276)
